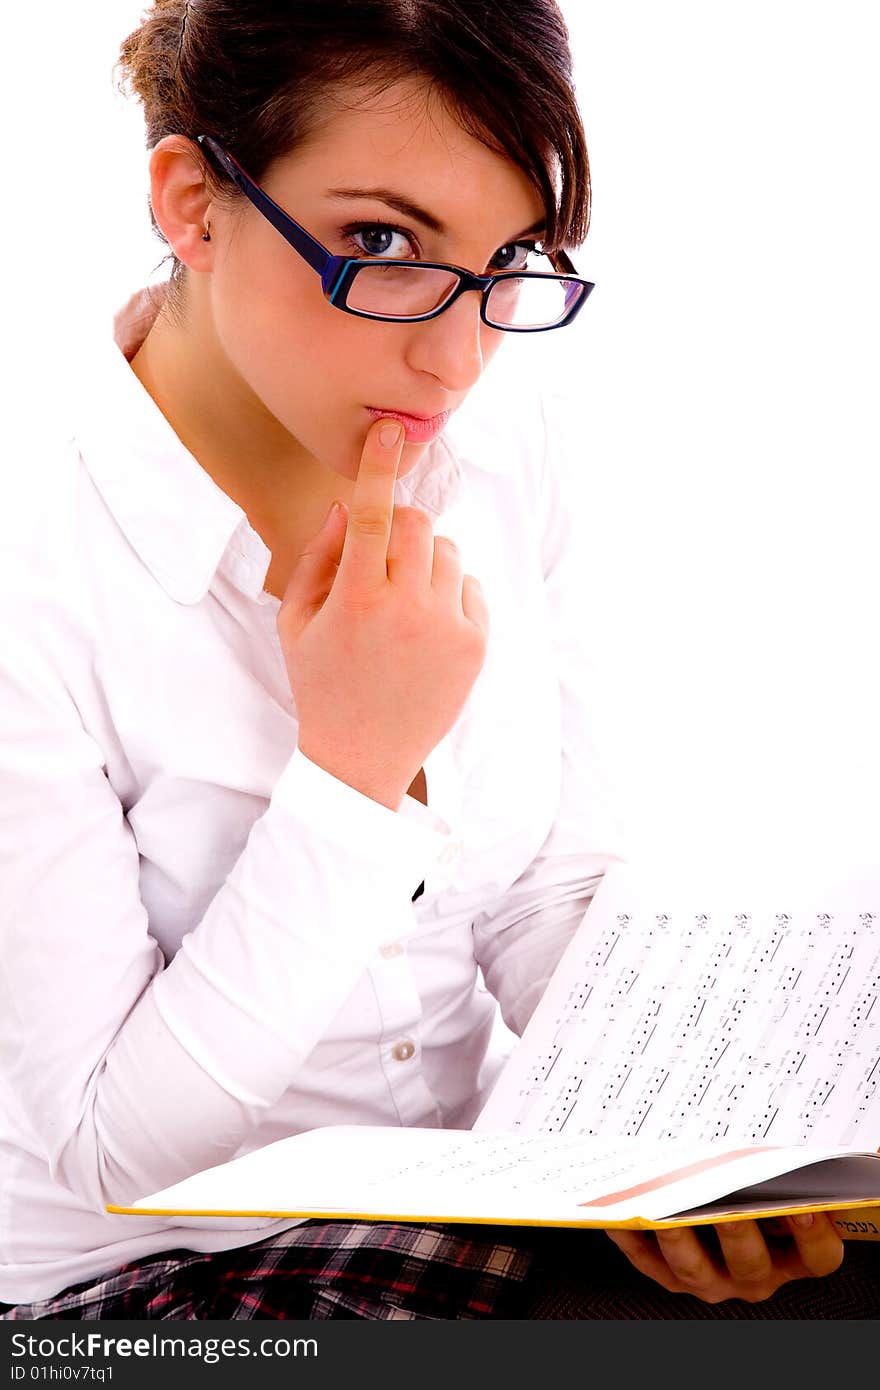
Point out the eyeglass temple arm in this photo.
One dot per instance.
(310, 250)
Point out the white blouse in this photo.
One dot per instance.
(208, 942)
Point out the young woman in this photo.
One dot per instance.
(281, 783)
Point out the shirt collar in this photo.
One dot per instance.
(181, 524)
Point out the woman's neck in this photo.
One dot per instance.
(210, 408)
(283, 491)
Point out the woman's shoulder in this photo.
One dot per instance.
(521, 429)
(50, 537)
(499, 428)
(40, 494)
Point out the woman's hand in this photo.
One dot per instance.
(743, 1259)
(382, 634)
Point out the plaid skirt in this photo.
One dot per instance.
(386, 1270)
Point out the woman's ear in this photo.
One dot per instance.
(181, 200)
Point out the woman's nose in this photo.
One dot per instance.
(456, 345)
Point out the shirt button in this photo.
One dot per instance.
(402, 1051)
(450, 852)
(393, 949)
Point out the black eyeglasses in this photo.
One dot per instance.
(411, 291)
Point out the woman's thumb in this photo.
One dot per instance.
(311, 578)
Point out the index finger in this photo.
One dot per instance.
(371, 507)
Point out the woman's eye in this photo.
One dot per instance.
(378, 239)
(381, 240)
(516, 256)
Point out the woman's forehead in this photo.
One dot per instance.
(407, 137)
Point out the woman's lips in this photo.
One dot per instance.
(418, 429)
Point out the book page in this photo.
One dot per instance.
(726, 1016)
(463, 1175)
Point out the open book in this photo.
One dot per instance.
(697, 1056)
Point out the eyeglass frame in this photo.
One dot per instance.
(338, 273)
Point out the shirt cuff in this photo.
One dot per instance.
(411, 844)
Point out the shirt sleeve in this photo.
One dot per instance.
(519, 940)
(132, 1073)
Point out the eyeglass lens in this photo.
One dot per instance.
(404, 291)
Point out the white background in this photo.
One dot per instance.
(723, 376)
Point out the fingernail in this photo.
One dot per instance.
(389, 435)
(806, 1219)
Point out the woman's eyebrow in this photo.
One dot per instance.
(418, 214)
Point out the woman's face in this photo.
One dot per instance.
(297, 362)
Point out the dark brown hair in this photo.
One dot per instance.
(257, 75)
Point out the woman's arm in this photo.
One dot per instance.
(131, 1073)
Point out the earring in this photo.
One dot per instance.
(206, 234)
